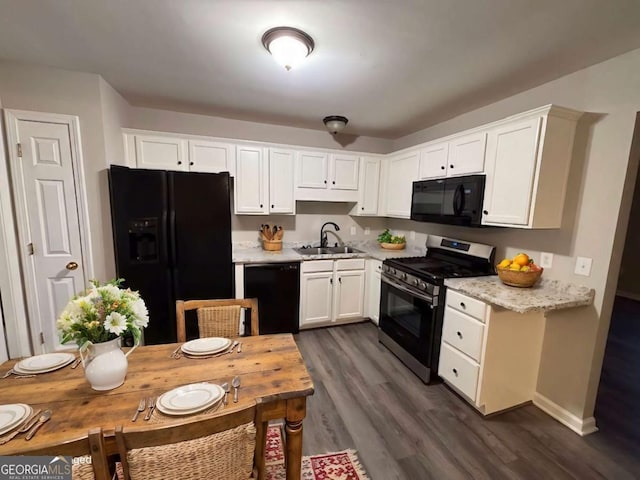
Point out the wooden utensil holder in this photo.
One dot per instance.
(272, 245)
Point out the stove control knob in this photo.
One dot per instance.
(403, 276)
(423, 286)
(393, 270)
(416, 282)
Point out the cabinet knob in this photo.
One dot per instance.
(179, 162)
(190, 163)
(340, 279)
(442, 167)
(485, 212)
(459, 335)
(325, 182)
(272, 206)
(334, 182)
(450, 166)
(261, 205)
(463, 305)
(361, 208)
(331, 281)
(455, 372)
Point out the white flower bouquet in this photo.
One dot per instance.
(102, 313)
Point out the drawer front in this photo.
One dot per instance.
(311, 266)
(463, 332)
(459, 371)
(350, 264)
(468, 305)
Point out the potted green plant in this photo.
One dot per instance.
(391, 242)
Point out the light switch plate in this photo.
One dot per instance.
(367, 231)
(353, 230)
(546, 259)
(583, 266)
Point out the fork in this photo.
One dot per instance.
(141, 407)
(176, 353)
(152, 406)
(11, 371)
(24, 427)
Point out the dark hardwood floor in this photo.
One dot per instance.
(366, 399)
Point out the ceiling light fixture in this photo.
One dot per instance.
(288, 45)
(335, 123)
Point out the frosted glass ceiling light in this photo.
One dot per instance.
(335, 123)
(288, 45)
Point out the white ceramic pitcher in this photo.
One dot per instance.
(105, 364)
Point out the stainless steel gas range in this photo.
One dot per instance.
(412, 299)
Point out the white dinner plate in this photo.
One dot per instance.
(22, 371)
(12, 415)
(189, 398)
(206, 346)
(45, 362)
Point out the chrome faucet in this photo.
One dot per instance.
(323, 234)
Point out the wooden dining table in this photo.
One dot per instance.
(270, 367)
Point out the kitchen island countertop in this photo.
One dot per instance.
(545, 295)
(242, 254)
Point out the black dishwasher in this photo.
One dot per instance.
(277, 288)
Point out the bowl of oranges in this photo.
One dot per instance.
(520, 271)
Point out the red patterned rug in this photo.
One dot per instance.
(330, 466)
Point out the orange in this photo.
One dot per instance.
(514, 266)
(521, 259)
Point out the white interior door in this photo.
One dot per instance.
(48, 222)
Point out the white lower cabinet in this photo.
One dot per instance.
(488, 354)
(331, 291)
(372, 295)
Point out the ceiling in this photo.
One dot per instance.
(391, 66)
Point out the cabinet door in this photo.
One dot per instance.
(369, 184)
(312, 170)
(466, 154)
(372, 297)
(403, 171)
(159, 152)
(344, 172)
(316, 295)
(281, 168)
(433, 161)
(251, 182)
(211, 157)
(512, 153)
(349, 294)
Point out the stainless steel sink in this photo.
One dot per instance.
(326, 250)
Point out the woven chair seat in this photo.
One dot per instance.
(225, 455)
(219, 321)
(82, 471)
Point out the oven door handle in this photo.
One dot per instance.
(432, 300)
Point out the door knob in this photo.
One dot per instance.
(72, 266)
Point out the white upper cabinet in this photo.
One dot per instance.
(160, 152)
(466, 154)
(327, 177)
(343, 172)
(251, 182)
(401, 171)
(211, 157)
(368, 190)
(312, 170)
(281, 181)
(434, 161)
(527, 168)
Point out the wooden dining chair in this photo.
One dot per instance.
(91, 445)
(219, 447)
(217, 318)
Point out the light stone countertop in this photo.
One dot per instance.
(255, 254)
(543, 296)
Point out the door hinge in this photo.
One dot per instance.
(19, 150)
(30, 250)
(41, 338)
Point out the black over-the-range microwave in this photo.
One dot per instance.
(454, 200)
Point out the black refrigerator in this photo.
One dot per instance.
(172, 240)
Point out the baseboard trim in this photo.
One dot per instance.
(582, 426)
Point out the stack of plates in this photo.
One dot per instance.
(12, 415)
(206, 346)
(189, 398)
(43, 363)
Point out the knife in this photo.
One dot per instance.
(44, 418)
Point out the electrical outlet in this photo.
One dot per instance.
(353, 230)
(367, 231)
(583, 266)
(412, 235)
(546, 259)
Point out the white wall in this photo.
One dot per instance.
(596, 211)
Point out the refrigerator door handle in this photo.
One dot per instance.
(172, 237)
